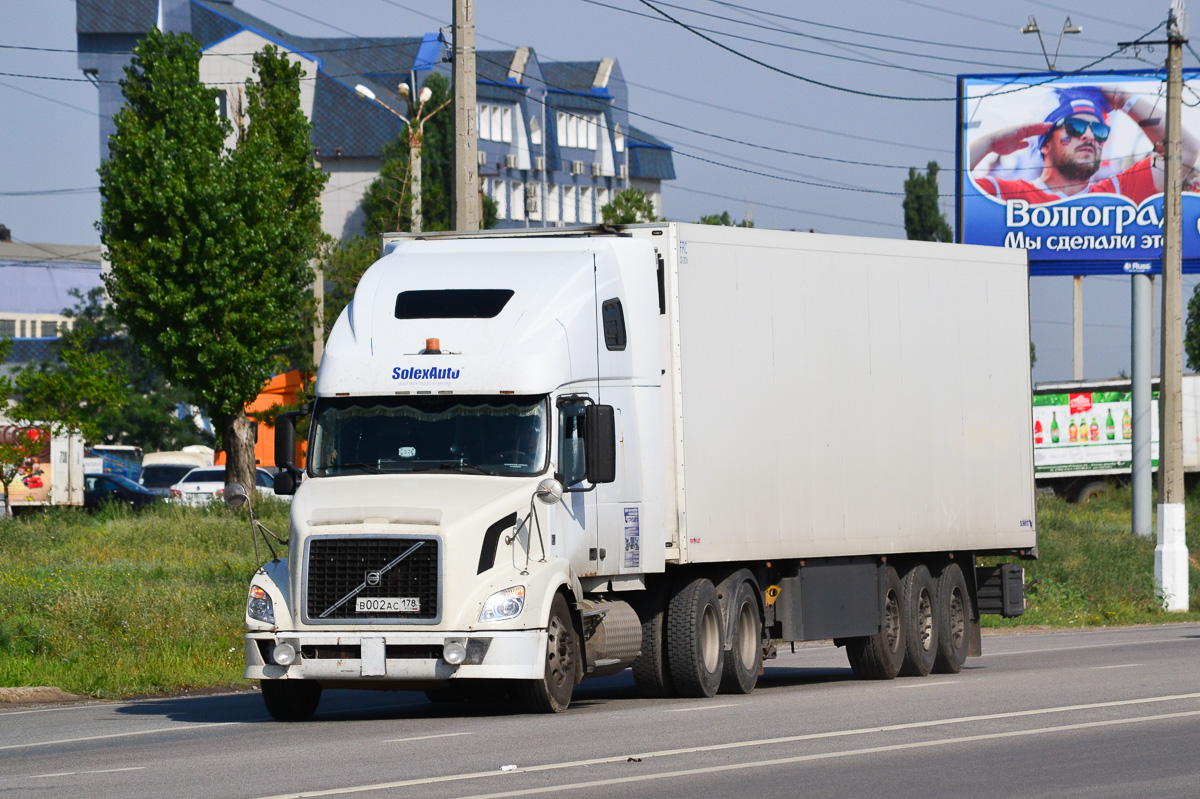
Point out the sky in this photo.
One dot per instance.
(763, 118)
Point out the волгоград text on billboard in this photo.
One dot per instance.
(1070, 168)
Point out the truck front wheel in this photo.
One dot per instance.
(291, 700)
(552, 693)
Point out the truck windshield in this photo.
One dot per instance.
(470, 434)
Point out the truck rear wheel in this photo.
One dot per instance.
(919, 617)
(651, 673)
(291, 700)
(953, 620)
(695, 643)
(552, 693)
(880, 656)
(743, 660)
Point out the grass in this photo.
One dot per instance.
(118, 604)
(121, 603)
(1093, 571)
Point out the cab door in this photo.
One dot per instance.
(576, 518)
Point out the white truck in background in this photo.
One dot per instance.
(51, 475)
(542, 456)
(1083, 434)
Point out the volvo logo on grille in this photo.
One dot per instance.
(372, 579)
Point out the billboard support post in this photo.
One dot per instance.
(1142, 361)
(1170, 552)
(1078, 325)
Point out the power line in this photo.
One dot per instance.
(805, 211)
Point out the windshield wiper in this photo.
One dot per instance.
(455, 467)
(367, 467)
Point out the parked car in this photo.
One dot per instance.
(202, 485)
(101, 488)
(159, 477)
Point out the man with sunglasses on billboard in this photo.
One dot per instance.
(1072, 140)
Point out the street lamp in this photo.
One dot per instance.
(1067, 27)
(415, 133)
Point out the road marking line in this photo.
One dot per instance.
(426, 737)
(706, 707)
(740, 745)
(1122, 666)
(1088, 646)
(121, 735)
(73, 773)
(781, 761)
(927, 683)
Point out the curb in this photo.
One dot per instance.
(36, 694)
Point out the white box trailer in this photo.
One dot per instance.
(547, 455)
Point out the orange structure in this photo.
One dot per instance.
(282, 389)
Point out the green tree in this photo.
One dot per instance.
(145, 414)
(210, 247)
(923, 218)
(724, 219)
(343, 264)
(387, 201)
(628, 207)
(59, 402)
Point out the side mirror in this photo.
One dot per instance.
(285, 440)
(235, 495)
(600, 431)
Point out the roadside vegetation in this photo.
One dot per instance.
(118, 604)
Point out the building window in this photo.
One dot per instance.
(618, 139)
(21, 329)
(8, 328)
(586, 212)
(49, 329)
(535, 132)
(568, 214)
(577, 130)
(499, 193)
(553, 198)
(495, 122)
(533, 193)
(601, 201)
(518, 200)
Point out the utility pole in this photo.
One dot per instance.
(1170, 552)
(466, 144)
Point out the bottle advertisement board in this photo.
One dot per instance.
(1086, 432)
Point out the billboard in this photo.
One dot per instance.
(1069, 167)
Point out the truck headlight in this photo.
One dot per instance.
(506, 604)
(259, 606)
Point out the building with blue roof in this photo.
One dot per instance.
(554, 141)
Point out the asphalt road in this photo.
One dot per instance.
(1100, 713)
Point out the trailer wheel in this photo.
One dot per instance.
(552, 693)
(880, 656)
(291, 700)
(695, 643)
(1091, 489)
(920, 622)
(651, 673)
(743, 661)
(953, 620)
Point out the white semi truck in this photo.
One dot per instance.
(540, 457)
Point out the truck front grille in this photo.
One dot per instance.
(399, 569)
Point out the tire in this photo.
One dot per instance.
(651, 673)
(953, 620)
(743, 660)
(291, 700)
(920, 622)
(552, 693)
(880, 656)
(695, 639)
(1092, 489)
